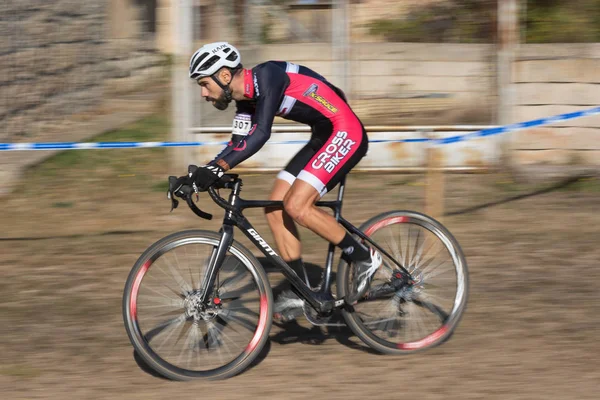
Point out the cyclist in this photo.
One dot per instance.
(338, 142)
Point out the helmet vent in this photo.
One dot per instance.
(211, 61)
(198, 61)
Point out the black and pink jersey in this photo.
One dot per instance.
(294, 92)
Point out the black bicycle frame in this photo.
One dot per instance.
(233, 217)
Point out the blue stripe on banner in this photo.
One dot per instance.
(45, 146)
(535, 122)
(448, 140)
(116, 145)
(574, 115)
(399, 140)
(491, 131)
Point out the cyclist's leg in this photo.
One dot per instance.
(340, 153)
(343, 147)
(300, 202)
(282, 225)
(288, 306)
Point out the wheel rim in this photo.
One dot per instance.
(181, 333)
(415, 315)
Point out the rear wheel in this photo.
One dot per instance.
(419, 305)
(177, 334)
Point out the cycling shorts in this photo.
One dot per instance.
(328, 156)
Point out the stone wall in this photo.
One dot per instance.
(60, 58)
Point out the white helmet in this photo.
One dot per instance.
(211, 57)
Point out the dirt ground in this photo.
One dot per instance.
(530, 330)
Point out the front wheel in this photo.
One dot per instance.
(416, 302)
(174, 331)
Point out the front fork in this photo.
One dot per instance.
(216, 259)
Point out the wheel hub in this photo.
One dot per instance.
(199, 311)
(405, 285)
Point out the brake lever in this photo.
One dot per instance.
(174, 203)
(171, 194)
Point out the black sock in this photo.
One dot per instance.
(297, 265)
(353, 249)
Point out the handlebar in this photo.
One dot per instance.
(227, 181)
(195, 208)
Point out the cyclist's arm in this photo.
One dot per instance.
(271, 84)
(242, 123)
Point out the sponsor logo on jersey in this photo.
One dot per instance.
(312, 93)
(256, 85)
(334, 153)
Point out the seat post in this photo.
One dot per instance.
(326, 280)
(342, 188)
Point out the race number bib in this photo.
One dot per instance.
(241, 124)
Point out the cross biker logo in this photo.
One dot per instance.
(334, 153)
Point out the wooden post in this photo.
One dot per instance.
(434, 185)
(508, 42)
(181, 89)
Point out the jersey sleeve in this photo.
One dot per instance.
(270, 83)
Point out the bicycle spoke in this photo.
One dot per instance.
(185, 287)
(190, 269)
(239, 292)
(383, 306)
(407, 250)
(243, 311)
(237, 317)
(394, 246)
(403, 318)
(426, 263)
(162, 284)
(179, 295)
(192, 336)
(429, 273)
(380, 322)
(424, 318)
(171, 327)
(422, 255)
(220, 328)
(232, 281)
(438, 311)
(187, 345)
(416, 248)
(213, 339)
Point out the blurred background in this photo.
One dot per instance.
(406, 63)
(524, 205)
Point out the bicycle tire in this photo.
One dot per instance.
(141, 340)
(449, 321)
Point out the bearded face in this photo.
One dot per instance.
(220, 102)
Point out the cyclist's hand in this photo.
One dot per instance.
(205, 176)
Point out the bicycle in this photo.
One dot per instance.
(212, 318)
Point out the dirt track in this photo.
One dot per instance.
(530, 330)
